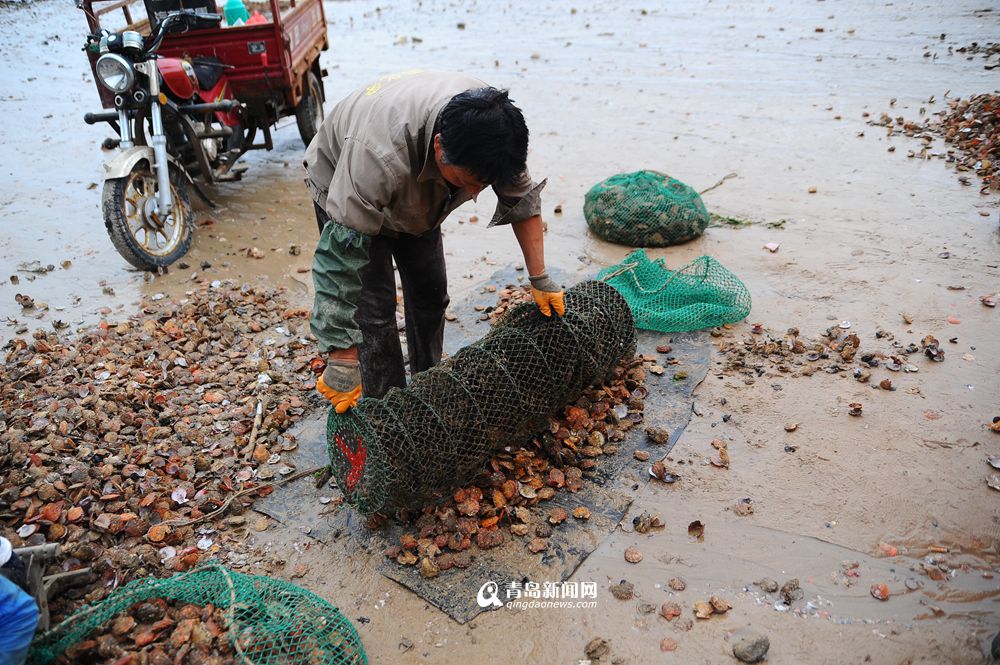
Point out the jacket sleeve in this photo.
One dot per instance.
(340, 255)
(518, 201)
(362, 186)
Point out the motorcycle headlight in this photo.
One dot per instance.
(115, 72)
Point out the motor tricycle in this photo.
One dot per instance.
(187, 97)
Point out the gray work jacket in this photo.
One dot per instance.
(371, 166)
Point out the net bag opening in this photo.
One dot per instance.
(702, 294)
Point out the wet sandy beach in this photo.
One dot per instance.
(774, 93)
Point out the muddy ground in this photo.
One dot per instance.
(772, 92)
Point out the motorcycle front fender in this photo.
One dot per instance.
(121, 165)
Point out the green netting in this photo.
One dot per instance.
(700, 295)
(269, 622)
(415, 444)
(644, 209)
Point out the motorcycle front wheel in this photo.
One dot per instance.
(143, 238)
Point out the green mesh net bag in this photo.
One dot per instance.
(644, 209)
(268, 621)
(702, 294)
(413, 445)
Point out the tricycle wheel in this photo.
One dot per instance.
(139, 235)
(309, 112)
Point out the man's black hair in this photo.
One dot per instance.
(482, 131)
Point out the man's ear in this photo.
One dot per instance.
(438, 150)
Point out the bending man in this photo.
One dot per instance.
(389, 164)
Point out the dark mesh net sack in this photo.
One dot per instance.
(415, 444)
(702, 294)
(268, 621)
(644, 209)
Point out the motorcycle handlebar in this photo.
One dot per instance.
(185, 16)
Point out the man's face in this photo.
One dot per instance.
(456, 175)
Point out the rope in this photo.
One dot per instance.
(718, 184)
(630, 268)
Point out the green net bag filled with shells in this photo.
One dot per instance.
(644, 209)
(208, 615)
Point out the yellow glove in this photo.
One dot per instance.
(547, 294)
(340, 384)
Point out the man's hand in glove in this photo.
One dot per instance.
(547, 294)
(340, 383)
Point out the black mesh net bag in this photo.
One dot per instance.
(414, 445)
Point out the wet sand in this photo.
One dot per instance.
(698, 91)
